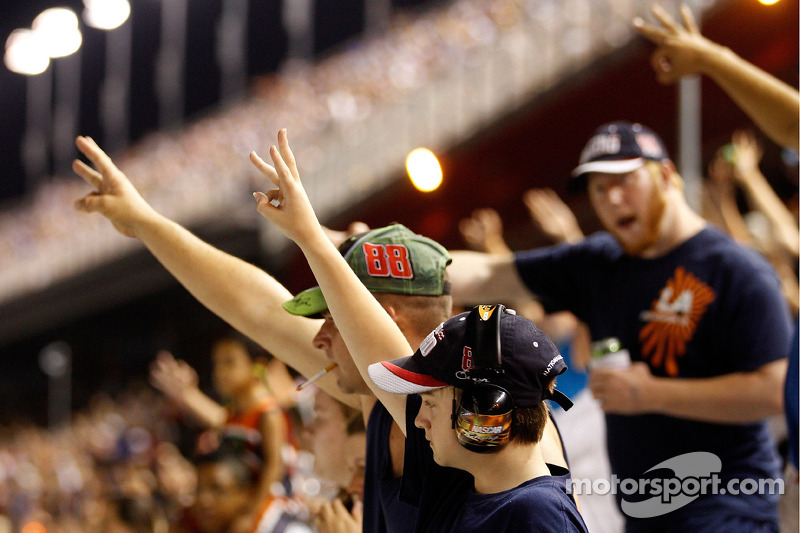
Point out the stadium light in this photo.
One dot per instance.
(424, 170)
(106, 14)
(25, 53)
(57, 28)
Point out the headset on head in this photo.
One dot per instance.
(482, 418)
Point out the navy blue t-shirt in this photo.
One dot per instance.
(448, 502)
(707, 308)
(383, 510)
(791, 396)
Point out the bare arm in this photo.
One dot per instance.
(240, 293)
(739, 397)
(722, 190)
(760, 193)
(682, 51)
(478, 277)
(367, 329)
(273, 435)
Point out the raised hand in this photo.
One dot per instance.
(483, 231)
(172, 376)
(748, 156)
(114, 196)
(287, 206)
(552, 216)
(680, 48)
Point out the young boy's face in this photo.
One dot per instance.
(435, 418)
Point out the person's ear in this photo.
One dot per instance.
(667, 175)
(391, 310)
(399, 319)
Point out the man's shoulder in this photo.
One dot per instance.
(719, 249)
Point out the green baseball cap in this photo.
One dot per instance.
(392, 259)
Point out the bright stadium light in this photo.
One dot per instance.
(25, 53)
(106, 14)
(424, 170)
(57, 27)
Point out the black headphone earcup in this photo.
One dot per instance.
(483, 419)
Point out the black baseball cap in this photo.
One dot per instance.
(617, 148)
(528, 361)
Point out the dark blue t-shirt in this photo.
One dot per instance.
(707, 308)
(792, 398)
(383, 510)
(448, 503)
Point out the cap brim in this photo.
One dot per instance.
(403, 376)
(614, 166)
(309, 303)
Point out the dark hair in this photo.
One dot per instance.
(527, 425)
(423, 313)
(254, 350)
(243, 463)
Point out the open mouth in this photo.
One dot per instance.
(624, 223)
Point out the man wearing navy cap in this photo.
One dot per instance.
(704, 321)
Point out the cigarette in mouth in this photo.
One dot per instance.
(316, 376)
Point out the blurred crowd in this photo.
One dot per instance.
(141, 462)
(43, 240)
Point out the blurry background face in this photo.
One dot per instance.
(233, 369)
(356, 458)
(328, 439)
(222, 497)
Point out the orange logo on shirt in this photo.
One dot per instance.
(673, 319)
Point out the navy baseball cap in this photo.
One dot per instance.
(392, 259)
(617, 148)
(527, 364)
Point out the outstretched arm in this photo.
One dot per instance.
(240, 293)
(480, 277)
(178, 382)
(681, 50)
(760, 193)
(367, 329)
